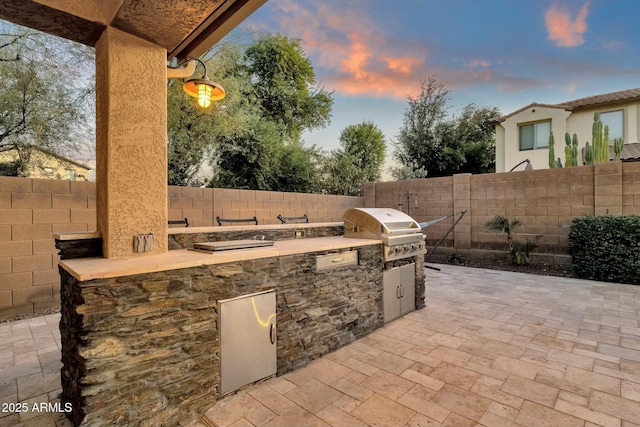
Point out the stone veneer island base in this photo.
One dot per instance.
(140, 338)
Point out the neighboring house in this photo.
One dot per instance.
(524, 134)
(41, 163)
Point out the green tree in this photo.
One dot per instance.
(194, 133)
(431, 143)
(420, 145)
(285, 85)
(476, 136)
(257, 158)
(358, 160)
(278, 103)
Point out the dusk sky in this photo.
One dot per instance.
(507, 53)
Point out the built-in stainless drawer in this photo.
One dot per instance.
(325, 262)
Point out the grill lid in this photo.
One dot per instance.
(374, 223)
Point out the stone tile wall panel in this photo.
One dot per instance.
(144, 349)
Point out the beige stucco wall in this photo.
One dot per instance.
(91, 10)
(131, 142)
(581, 122)
(578, 122)
(539, 157)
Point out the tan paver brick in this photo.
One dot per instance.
(587, 414)
(418, 399)
(533, 414)
(455, 375)
(515, 366)
(593, 380)
(490, 388)
(313, 396)
(530, 390)
(380, 411)
(465, 403)
(337, 417)
(615, 406)
(388, 385)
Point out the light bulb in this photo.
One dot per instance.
(204, 95)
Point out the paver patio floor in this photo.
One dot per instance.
(491, 348)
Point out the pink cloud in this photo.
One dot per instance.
(352, 56)
(352, 53)
(562, 29)
(402, 65)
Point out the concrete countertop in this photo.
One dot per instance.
(102, 268)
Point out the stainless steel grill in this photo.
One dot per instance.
(401, 235)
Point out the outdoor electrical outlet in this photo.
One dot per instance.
(299, 234)
(143, 243)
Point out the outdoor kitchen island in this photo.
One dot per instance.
(140, 335)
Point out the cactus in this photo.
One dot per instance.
(568, 160)
(552, 153)
(617, 147)
(605, 145)
(559, 163)
(596, 133)
(571, 150)
(588, 154)
(574, 149)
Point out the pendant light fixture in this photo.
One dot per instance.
(204, 90)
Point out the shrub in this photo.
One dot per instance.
(505, 225)
(606, 248)
(524, 249)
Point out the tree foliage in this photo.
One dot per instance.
(252, 137)
(40, 105)
(431, 143)
(194, 133)
(277, 103)
(257, 158)
(285, 85)
(358, 160)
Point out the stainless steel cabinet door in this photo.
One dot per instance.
(408, 289)
(247, 340)
(398, 291)
(391, 293)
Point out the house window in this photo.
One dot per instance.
(614, 120)
(71, 175)
(535, 135)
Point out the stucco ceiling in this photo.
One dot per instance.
(186, 28)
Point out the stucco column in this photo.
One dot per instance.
(131, 142)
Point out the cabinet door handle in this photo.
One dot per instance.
(398, 291)
(402, 290)
(337, 260)
(272, 333)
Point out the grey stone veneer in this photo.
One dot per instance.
(143, 350)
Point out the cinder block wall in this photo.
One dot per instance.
(32, 210)
(202, 205)
(544, 201)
